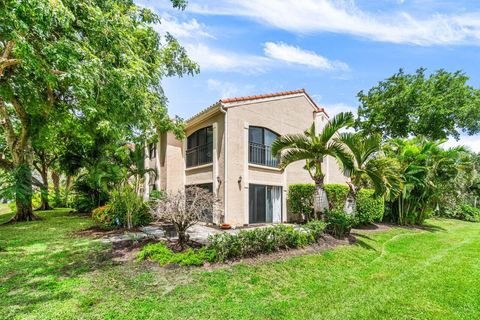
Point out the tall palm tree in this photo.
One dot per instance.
(370, 168)
(313, 147)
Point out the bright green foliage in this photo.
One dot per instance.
(128, 207)
(49, 272)
(315, 228)
(337, 194)
(468, 213)
(93, 64)
(436, 106)
(339, 223)
(160, 253)
(125, 209)
(313, 147)
(370, 168)
(249, 243)
(429, 173)
(300, 201)
(102, 217)
(370, 208)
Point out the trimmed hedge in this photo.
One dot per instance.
(248, 243)
(369, 208)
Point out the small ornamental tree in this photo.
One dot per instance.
(184, 208)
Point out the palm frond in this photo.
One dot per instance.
(341, 120)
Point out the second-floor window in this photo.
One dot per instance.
(200, 147)
(260, 146)
(152, 150)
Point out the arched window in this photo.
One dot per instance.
(200, 147)
(260, 146)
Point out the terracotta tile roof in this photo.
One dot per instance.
(271, 95)
(260, 96)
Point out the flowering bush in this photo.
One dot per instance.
(103, 217)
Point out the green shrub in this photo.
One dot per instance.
(337, 194)
(316, 228)
(248, 243)
(468, 213)
(114, 214)
(369, 208)
(86, 195)
(300, 200)
(160, 253)
(126, 199)
(339, 224)
(103, 218)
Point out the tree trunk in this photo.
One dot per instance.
(56, 188)
(23, 194)
(44, 190)
(350, 207)
(182, 238)
(68, 185)
(320, 204)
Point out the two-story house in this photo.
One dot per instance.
(228, 151)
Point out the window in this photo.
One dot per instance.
(260, 146)
(200, 147)
(152, 150)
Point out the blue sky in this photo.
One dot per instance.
(333, 49)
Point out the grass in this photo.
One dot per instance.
(47, 273)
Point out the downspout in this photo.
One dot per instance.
(225, 163)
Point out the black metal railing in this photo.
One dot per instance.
(199, 155)
(261, 154)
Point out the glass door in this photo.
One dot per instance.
(265, 203)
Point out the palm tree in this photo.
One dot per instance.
(370, 168)
(313, 147)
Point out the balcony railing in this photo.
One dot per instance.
(262, 155)
(199, 155)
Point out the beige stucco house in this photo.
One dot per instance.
(227, 150)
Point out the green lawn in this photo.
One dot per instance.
(47, 273)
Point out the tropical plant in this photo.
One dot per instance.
(370, 168)
(58, 62)
(313, 147)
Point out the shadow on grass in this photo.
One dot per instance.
(360, 241)
(42, 262)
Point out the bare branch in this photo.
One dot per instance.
(183, 209)
(10, 136)
(5, 61)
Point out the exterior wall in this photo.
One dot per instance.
(230, 172)
(284, 116)
(171, 165)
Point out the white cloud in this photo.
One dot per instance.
(473, 142)
(191, 29)
(284, 52)
(219, 60)
(336, 108)
(344, 16)
(229, 89)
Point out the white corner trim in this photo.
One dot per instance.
(225, 166)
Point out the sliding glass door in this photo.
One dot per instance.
(265, 203)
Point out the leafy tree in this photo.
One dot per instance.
(369, 168)
(98, 61)
(436, 106)
(313, 147)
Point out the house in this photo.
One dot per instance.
(227, 151)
